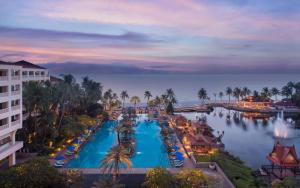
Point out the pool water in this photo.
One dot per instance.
(150, 149)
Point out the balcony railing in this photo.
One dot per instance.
(2, 127)
(2, 111)
(17, 122)
(17, 107)
(5, 94)
(15, 92)
(15, 77)
(3, 78)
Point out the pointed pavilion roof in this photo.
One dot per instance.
(284, 156)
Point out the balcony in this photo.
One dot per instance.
(9, 149)
(2, 127)
(5, 110)
(4, 94)
(17, 107)
(3, 78)
(18, 92)
(17, 77)
(14, 123)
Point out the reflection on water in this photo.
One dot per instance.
(251, 136)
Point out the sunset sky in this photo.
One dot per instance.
(174, 35)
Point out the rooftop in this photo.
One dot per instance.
(26, 64)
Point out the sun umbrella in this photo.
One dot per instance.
(175, 147)
(70, 148)
(178, 154)
(59, 158)
(181, 158)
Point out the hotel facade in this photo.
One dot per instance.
(12, 76)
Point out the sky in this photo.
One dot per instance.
(170, 35)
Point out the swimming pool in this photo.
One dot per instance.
(150, 149)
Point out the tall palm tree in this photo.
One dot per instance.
(287, 91)
(237, 93)
(135, 100)
(221, 94)
(115, 159)
(124, 95)
(266, 93)
(147, 95)
(275, 92)
(202, 94)
(228, 92)
(170, 94)
(246, 91)
(215, 96)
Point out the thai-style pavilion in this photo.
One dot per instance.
(251, 102)
(284, 158)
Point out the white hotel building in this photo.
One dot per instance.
(12, 75)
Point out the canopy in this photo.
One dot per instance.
(178, 154)
(59, 158)
(181, 158)
(175, 147)
(71, 148)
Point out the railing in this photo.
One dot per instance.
(17, 107)
(13, 123)
(3, 78)
(15, 77)
(4, 94)
(3, 110)
(16, 92)
(2, 127)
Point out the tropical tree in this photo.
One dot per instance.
(229, 92)
(158, 177)
(266, 93)
(124, 95)
(246, 91)
(170, 94)
(147, 95)
(287, 91)
(115, 159)
(275, 92)
(215, 96)
(237, 93)
(221, 94)
(135, 100)
(202, 94)
(190, 178)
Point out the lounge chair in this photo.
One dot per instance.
(60, 162)
(178, 164)
(69, 153)
(58, 165)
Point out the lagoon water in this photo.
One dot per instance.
(248, 138)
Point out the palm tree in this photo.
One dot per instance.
(135, 100)
(147, 95)
(266, 93)
(115, 159)
(229, 92)
(275, 92)
(237, 93)
(124, 95)
(221, 94)
(287, 91)
(202, 94)
(171, 96)
(215, 96)
(246, 91)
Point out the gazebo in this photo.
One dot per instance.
(284, 158)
